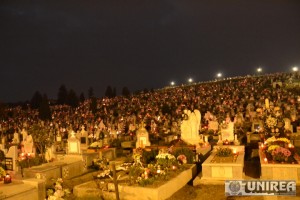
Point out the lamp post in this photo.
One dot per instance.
(219, 76)
(172, 83)
(190, 80)
(259, 70)
(295, 69)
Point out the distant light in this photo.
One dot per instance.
(172, 83)
(259, 69)
(190, 80)
(219, 75)
(295, 69)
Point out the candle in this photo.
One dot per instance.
(158, 171)
(290, 145)
(173, 167)
(266, 160)
(234, 151)
(267, 104)
(7, 179)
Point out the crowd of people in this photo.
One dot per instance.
(161, 110)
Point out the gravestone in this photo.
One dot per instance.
(73, 144)
(257, 125)
(227, 132)
(142, 137)
(28, 144)
(189, 127)
(287, 125)
(13, 155)
(16, 139)
(213, 125)
(83, 135)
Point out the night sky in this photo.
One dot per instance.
(140, 43)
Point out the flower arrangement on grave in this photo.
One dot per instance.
(273, 123)
(182, 159)
(224, 152)
(58, 192)
(278, 150)
(165, 160)
(100, 164)
(165, 166)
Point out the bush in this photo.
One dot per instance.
(187, 152)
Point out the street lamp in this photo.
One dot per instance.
(190, 80)
(259, 70)
(172, 83)
(219, 75)
(295, 69)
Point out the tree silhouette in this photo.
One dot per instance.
(72, 99)
(93, 105)
(91, 92)
(125, 92)
(36, 100)
(44, 109)
(114, 93)
(81, 97)
(62, 95)
(109, 92)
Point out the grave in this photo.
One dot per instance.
(279, 171)
(90, 190)
(142, 137)
(220, 171)
(227, 132)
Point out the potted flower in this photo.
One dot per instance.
(281, 154)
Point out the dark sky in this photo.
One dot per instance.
(140, 43)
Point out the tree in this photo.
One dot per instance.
(125, 92)
(91, 92)
(114, 93)
(81, 97)
(44, 109)
(72, 99)
(109, 92)
(62, 95)
(42, 137)
(93, 105)
(36, 100)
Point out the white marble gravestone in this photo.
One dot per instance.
(83, 135)
(189, 127)
(142, 137)
(287, 125)
(13, 153)
(213, 125)
(28, 144)
(228, 132)
(73, 144)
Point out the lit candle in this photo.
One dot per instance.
(146, 175)
(290, 145)
(267, 104)
(173, 167)
(262, 145)
(266, 160)
(234, 151)
(158, 171)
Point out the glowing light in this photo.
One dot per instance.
(219, 75)
(259, 70)
(172, 83)
(190, 80)
(295, 69)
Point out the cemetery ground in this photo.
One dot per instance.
(215, 190)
